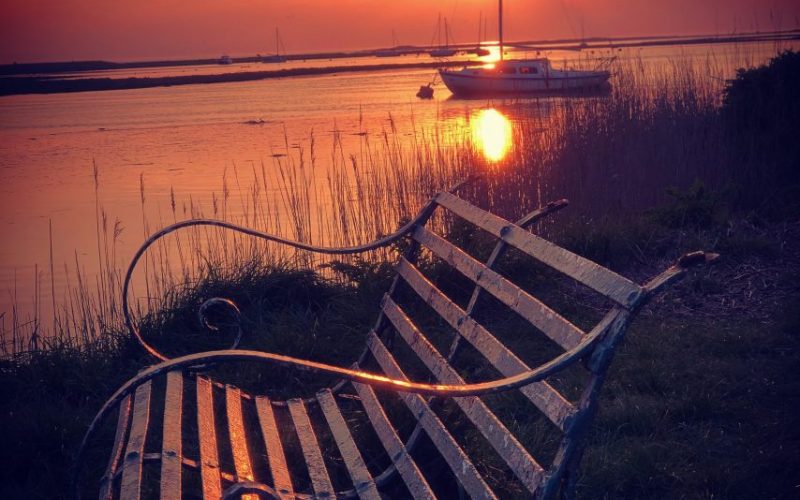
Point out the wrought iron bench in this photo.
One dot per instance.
(242, 441)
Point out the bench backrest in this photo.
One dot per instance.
(460, 348)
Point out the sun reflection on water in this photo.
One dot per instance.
(491, 133)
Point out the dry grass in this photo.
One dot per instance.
(612, 156)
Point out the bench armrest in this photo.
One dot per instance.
(678, 271)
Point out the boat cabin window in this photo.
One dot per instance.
(509, 70)
(529, 70)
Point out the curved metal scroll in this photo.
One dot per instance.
(423, 215)
(251, 232)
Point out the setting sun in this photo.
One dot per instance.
(491, 133)
(494, 54)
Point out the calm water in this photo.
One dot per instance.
(185, 138)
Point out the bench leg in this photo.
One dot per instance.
(569, 482)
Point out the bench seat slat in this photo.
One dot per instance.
(238, 437)
(206, 428)
(107, 482)
(458, 461)
(317, 471)
(362, 480)
(555, 326)
(612, 285)
(131, 485)
(408, 469)
(541, 394)
(272, 442)
(507, 446)
(171, 447)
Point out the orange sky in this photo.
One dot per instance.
(48, 30)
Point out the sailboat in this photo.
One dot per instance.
(386, 53)
(519, 76)
(277, 57)
(444, 50)
(390, 52)
(478, 50)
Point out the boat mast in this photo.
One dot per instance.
(500, 26)
(480, 28)
(439, 30)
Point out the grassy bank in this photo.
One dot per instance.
(701, 402)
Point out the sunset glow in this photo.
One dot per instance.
(69, 30)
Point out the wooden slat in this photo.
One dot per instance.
(395, 448)
(317, 471)
(541, 394)
(362, 479)
(498, 251)
(555, 326)
(612, 285)
(455, 457)
(513, 453)
(207, 431)
(107, 482)
(131, 485)
(272, 442)
(238, 437)
(171, 448)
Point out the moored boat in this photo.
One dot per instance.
(277, 57)
(520, 76)
(444, 49)
(443, 52)
(392, 51)
(478, 50)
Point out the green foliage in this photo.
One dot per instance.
(697, 207)
(762, 98)
(762, 108)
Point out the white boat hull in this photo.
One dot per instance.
(461, 83)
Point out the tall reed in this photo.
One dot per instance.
(612, 155)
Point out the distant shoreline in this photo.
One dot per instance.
(50, 85)
(545, 44)
(47, 80)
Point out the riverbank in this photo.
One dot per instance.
(51, 85)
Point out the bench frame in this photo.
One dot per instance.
(594, 348)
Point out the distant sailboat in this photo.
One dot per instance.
(225, 59)
(390, 52)
(478, 50)
(277, 57)
(444, 49)
(519, 76)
